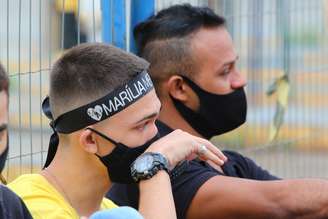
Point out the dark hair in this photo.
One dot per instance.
(90, 71)
(175, 22)
(4, 80)
(164, 39)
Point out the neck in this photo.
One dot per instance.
(80, 178)
(171, 117)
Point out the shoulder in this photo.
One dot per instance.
(238, 165)
(194, 172)
(235, 156)
(30, 184)
(26, 179)
(244, 167)
(11, 206)
(7, 195)
(41, 198)
(186, 184)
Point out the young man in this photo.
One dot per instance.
(104, 106)
(193, 65)
(11, 206)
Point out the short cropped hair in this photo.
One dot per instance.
(4, 80)
(164, 39)
(88, 72)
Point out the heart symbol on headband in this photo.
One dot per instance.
(95, 113)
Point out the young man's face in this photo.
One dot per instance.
(216, 58)
(3, 120)
(133, 126)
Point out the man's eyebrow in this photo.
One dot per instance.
(230, 62)
(148, 117)
(3, 127)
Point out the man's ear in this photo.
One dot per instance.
(177, 88)
(88, 141)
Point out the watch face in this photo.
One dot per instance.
(144, 163)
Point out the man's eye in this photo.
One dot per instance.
(226, 71)
(142, 126)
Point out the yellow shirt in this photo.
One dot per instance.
(44, 201)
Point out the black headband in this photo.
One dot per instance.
(96, 111)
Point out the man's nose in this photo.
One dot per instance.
(238, 80)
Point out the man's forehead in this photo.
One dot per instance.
(213, 39)
(217, 33)
(214, 45)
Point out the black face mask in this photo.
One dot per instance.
(118, 162)
(3, 156)
(217, 114)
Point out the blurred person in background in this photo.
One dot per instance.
(78, 16)
(67, 11)
(11, 206)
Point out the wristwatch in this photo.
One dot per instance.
(147, 165)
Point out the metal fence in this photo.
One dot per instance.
(282, 47)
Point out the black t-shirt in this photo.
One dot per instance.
(11, 206)
(195, 173)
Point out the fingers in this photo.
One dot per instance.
(213, 149)
(209, 155)
(180, 145)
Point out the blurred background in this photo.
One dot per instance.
(282, 47)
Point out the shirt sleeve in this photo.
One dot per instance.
(247, 168)
(186, 185)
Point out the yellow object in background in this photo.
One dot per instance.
(281, 88)
(67, 6)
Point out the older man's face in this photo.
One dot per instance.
(3, 120)
(216, 59)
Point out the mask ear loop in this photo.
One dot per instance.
(102, 135)
(191, 83)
